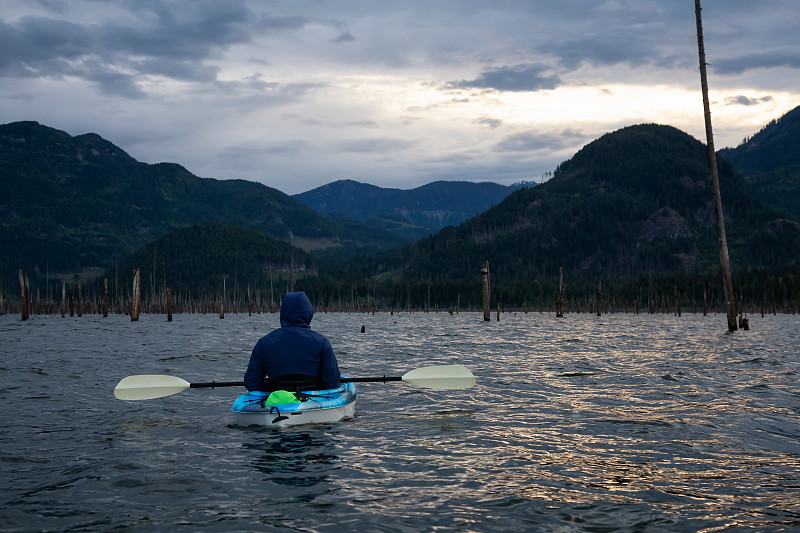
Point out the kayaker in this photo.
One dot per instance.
(293, 357)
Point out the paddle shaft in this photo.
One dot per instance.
(214, 384)
(382, 379)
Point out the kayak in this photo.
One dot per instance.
(330, 405)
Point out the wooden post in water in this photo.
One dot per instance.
(599, 298)
(23, 297)
(169, 304)
(105, 298)
(487, 313)
(727, 280)
(249, 302)
(80, 299)
(271, 292)
(136, 296)
(560, 301)
(222, 303)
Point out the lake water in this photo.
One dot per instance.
(615, 423)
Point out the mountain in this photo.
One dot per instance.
(413, 213)
(632, 204)
(72, 203)
(770, 162)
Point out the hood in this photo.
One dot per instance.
(296, 310)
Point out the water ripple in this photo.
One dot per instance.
(620, 422)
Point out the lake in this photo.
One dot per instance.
(616, 423)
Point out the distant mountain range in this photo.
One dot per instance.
(413, 213)
(770, 162)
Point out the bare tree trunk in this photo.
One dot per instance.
(560, 302)
(487, 313)
(136, 296)
(599, 298)
(80, 299)
(169, 304)
(23, 297)
(727, 281)
(222, 303)
(105, 298)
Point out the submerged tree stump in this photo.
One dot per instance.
(23, 297)
(169, 304)
(487, 313)
(599, 298)
(80, 300)
(105, 298)
(136, 296)
(560, 301)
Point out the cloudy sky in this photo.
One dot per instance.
(296, 94)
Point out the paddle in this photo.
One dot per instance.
(147, 387)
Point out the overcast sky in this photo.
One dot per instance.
(296, 94)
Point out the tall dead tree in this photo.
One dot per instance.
(725, 264)
(560, 301)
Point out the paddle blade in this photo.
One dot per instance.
(441, 377)
(147, 387)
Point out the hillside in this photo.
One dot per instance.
(193, 262)
(632, 204)
(72, 203)
(412, 213)
(770, 162)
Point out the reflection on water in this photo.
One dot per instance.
(299, 458)
(620, 422)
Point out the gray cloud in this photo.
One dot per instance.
(162, 41)
(374, 145)
(532, 141)
(747, 101)
(603, 49)
(524, 77)
(491, 122)
(740, 64)
(344, 38)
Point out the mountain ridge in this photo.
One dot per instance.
(413, 213)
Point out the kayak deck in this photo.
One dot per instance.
(330, 405)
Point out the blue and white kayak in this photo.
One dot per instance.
(330, 405)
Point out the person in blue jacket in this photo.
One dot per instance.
(293, 357)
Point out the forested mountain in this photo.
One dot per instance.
(194, 261)
(770, 162)
(412, 213)
(70, 203)
(633, 204)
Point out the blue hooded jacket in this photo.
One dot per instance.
(293, 356)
